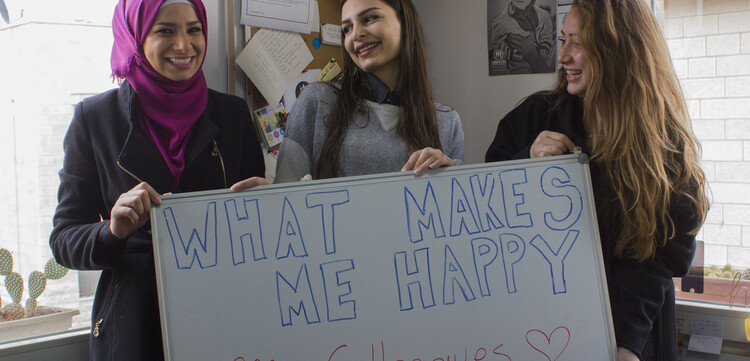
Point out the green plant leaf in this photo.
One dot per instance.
(13, 311)
(6, 262)
(30, 307)
(37, 284)
(14, 285)
(53, 270)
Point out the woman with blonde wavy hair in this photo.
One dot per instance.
(618, 99)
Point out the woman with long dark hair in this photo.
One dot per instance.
(381, 116)
(618, 99)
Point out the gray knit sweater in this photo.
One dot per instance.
(371, 145)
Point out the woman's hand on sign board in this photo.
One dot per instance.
(132, 210)
(549, 143)
(249, 183)
(426, 158)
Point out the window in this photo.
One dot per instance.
(53, 55)
(709, 41)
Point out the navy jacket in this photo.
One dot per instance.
(641, 294)
(106, 154)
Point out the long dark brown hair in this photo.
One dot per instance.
(417, 123)
(635, 112)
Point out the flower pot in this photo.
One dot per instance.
(37, 326)
(719, 290)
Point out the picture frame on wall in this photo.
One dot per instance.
(521, 36)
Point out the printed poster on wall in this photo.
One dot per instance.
(522, 36)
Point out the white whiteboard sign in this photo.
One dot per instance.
(492, 262)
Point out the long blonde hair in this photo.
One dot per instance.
(635, 114)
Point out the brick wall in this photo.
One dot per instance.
(710, 45)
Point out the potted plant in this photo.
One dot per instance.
(723, 285)
(17, 321)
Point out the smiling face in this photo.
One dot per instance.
(175, 44)
(571, 55)
(372, 37)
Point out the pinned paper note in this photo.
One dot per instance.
(706, 336)
(315, 22)
(294, 89)
(747, 329)
(272, 59)
(331, 34)
(298, 16)
(272, 123)
(331, 71)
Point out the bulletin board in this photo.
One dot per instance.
(495, 261)
(330, 12)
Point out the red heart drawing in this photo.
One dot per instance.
(555, 344)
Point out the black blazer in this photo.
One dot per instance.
(641, 294)
(106, 154)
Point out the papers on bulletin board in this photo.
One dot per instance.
(299, 83)
(331, 34)
(290, 15)
(315, 22)
(272, 123)
(330, 72)
(272, 59)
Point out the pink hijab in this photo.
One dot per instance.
(169, 108)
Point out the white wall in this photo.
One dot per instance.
(710, 47)
(215, 66)
(456, 33)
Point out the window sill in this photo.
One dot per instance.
(732, 319)
(37, 326)
(70, 345)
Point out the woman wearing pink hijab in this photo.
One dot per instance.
(161, 131)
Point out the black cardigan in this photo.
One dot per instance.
(106, 154)
(641, 294)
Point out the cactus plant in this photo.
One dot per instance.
(54, 271)
(6, 262)
(14, 285)
(37, 283)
